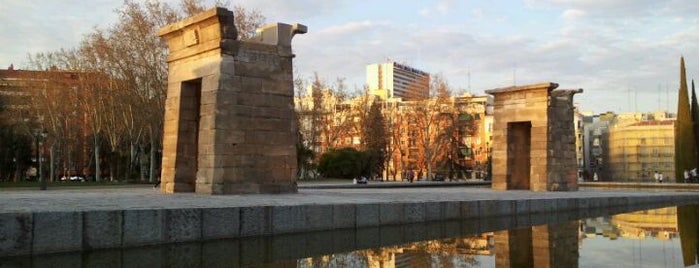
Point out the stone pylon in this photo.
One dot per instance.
(534, 138)
(229, 115)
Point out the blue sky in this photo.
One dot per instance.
(623, 53)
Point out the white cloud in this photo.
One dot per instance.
(571, 14)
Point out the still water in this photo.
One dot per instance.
(665, 237)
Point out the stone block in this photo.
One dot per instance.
(522, 207)
(142, 227)
(452, 210)
(255, 221)
(288, 219)
(566, 204)
(57, 232)
(103, 229)
(470, 209)
(541, 205)
(344, 216)
(367, 215)
(16, 234)
(318, 217)
(495, 208)
(220, 223)
(414, 212)
(391, 213)
(434, 211)
(182, 225)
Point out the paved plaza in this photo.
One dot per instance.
(145, 197)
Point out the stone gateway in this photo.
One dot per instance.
(534, 138)
(229, 115)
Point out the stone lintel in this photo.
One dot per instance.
(213, 12)
(548, 85)
(213, 29)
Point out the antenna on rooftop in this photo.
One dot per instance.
(469, 79)
(660, 96)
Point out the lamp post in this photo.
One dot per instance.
(39, 136)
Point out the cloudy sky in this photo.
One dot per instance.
(623, 53)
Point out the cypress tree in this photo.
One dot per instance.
(695, 121)
(685, 146)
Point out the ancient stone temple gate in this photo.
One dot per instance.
(534, 138)
(229, 114)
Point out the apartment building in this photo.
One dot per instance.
(395, 80)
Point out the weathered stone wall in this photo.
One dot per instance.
(533, 138)
(229, 125)
(563, 169)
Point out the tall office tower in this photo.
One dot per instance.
(395, 80)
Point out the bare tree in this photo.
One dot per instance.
(247, 21)
(121, 93)
(431, 121)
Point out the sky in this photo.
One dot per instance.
(624, 54)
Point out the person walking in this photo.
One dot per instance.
(687, 179)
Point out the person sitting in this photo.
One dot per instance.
(362, 180)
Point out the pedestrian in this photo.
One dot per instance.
(693, 175)
(656, 176)
(660, 177)
(594, 177)
(687, 179)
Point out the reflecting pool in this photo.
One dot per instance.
(664, 237)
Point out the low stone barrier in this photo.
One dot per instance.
(33, 233)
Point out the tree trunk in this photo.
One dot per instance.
(151, 176)
(131, 166)
(51, 167)
(98, 171)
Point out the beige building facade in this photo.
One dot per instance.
(638, 148)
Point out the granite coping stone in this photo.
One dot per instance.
(126, 217)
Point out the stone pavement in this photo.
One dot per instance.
(37, 222)
(144, 197)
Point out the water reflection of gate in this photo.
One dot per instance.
(552, 245)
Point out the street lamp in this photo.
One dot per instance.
(39, 136)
